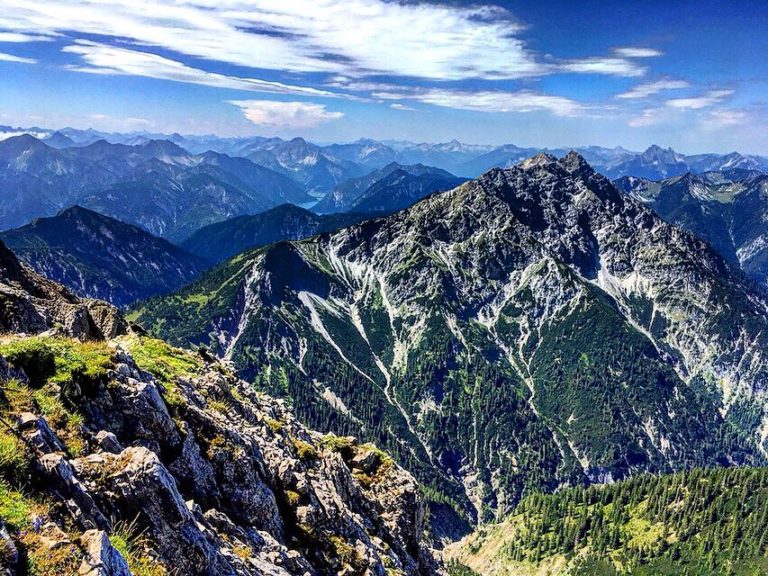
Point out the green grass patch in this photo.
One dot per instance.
(132, 544)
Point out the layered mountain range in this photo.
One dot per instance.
(96, 256)
(298, 157)
(728, 209)
(531, 328)
(155, 185)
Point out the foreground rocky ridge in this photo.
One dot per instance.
(531, 328)
(130, 457)
(30, 303)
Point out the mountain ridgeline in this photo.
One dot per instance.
(531, 328)
(728, 209)
(156, 185)
(220, 241)
(371, 191)
(99, 257)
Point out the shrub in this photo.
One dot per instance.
(293, 498)
(304, 450)
(274, 425)
(339, 444)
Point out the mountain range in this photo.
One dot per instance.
(96, 256)
(531, 328)
(465, 160)
(155, 185)
(559, 321)
(728, 209)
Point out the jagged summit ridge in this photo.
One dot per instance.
(529, 328)
(31, 304)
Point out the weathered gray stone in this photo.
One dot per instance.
(101, 558)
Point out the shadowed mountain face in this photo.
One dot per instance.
(530, 328)
(728, 209)
(221, 241)
(401, 189)
(346, 195)
(99, 257)
(156, 185)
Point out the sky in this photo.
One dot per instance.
(690, 75)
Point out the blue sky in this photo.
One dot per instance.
(692, 75)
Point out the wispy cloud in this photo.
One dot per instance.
(716, 119)
(489, 100)
(4, 57)
(651, 88)
(609, 65)
(355, 37)
(104, 59)
(690, 110)
(632, 52)
(649, 117)
(281, 116)
(398, 106)
(19, 38)
(711, 98)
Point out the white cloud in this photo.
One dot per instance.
(18, 37)
(650, 88)
(610, 66)
(488, 100)
(285, 115)
(710, 99)
(353, 37)
(631, 52)
(725, 118)
(103, 59)
(650, 117)
(398, 106)
(11, 58)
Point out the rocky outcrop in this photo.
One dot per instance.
(213, 478)
(31, 304)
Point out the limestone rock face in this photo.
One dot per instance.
(101, 559)
(218, 479)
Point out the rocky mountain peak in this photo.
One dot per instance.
(19, 144)
(538, 161)
(574, 162)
